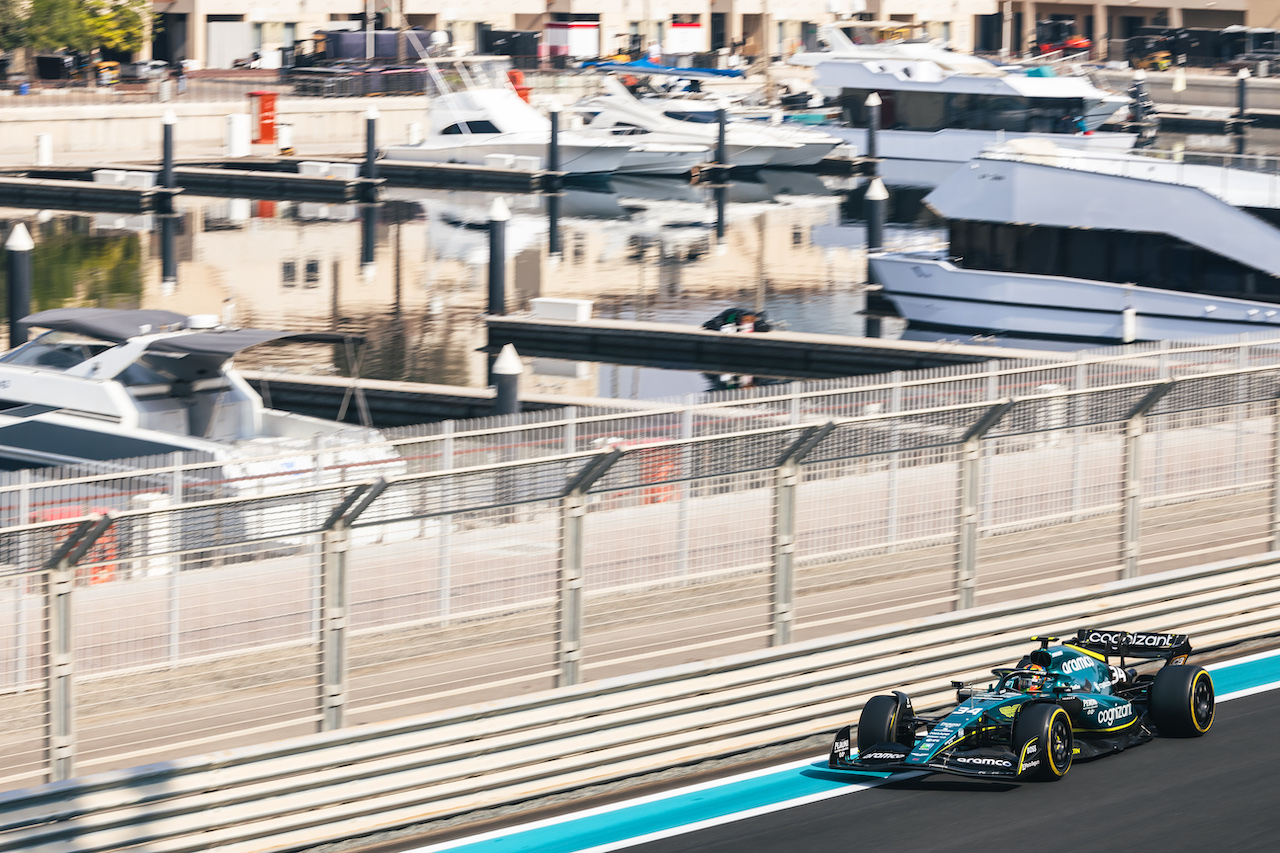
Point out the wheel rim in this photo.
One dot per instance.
(1060, 742)
(1202, 702)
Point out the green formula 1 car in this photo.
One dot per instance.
(1061, 702)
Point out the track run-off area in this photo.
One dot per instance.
(1218, 792)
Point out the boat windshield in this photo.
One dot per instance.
(695, 116)
(56, 351)
(60, 351)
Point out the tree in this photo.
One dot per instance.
(123, 25)
(13, 24)
(59, 25)
(80, 26)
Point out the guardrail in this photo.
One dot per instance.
(297, 793)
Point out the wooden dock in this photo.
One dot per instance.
(777, 354)
(74, 187)
(220, 180)
(391, 404)
(18, 190)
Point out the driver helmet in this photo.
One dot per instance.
(1029, 683)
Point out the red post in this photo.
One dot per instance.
(262, 109)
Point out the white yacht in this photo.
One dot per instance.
(750, 145)
(471, 125)
(1097, 250)
(940, 105)
(103, 384)
(814, 144)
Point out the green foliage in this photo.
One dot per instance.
(78, 26)
(123, 25)
(69, 266)
(13, 24)
(59, 25)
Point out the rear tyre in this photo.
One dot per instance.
(881, 722)
(1182, 701)
(1043, 742)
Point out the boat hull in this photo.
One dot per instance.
(955, 145)
(654, 159)
(575, 158)
(931, 292)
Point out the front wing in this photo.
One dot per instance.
(983, 762)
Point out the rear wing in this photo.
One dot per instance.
(1137, 644)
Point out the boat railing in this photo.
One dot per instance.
(1251, 180)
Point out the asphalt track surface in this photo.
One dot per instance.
(1214, 793)
(1220, 792)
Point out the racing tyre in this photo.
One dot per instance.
(1181, 701)
(1049, 758)
(879, 723)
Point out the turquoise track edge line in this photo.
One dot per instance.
(615, 826)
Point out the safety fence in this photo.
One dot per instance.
(303, 84)
(299, 793)
(160, 613)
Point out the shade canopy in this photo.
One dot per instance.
(643, 67)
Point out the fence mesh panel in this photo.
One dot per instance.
(875, 538)
(453, 609)
(24, 668)
(221, 653)
(1049, 512)
(695, 563)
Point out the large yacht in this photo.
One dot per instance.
(941, 105)
(105, 384)
(1097, 250)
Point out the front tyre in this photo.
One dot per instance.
(881, 722)
(1043, 742)
(1182, 701)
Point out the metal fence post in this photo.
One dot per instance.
(682, 509)
(444, 544)
(784, 547)
(573, 517)
(1275, 475)
(335, 545)
(60, 710)
(968, 517)
(569, 635)
(333, 625)
(1131, 499)
(786, 480)
(60, 736)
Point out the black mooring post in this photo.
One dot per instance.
(721, 192)
(168, 254)
(19, 246)
(371, 143)
(722, 138)
(873, 131)
(553, 223)
(498, 216)
(553, 143)
(368, 234)
(875, 199)
(166, 155)
(506, 381)
(1242, 87)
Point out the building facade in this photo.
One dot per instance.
(216, 33)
